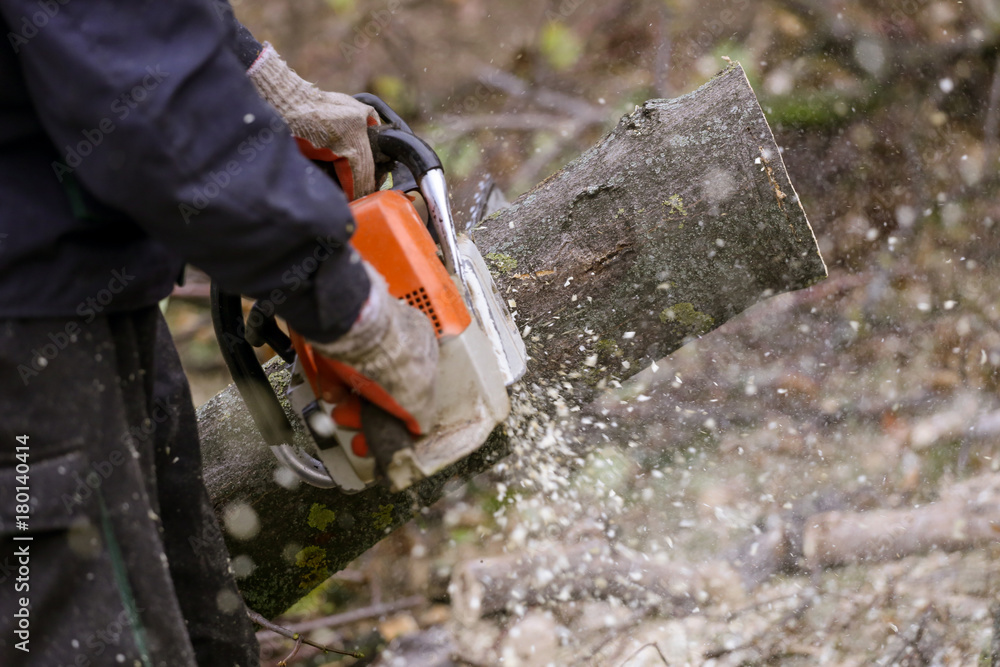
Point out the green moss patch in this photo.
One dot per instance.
(687, 316)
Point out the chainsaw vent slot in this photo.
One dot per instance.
(418, 299)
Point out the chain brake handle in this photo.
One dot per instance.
(402, 179)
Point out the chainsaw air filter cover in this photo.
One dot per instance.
(392, 238)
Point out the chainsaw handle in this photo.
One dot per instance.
(384, 111)
(384, 434)
(395, 141)
(398, 145)
(402, 179)
(232, 332)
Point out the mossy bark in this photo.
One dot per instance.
(306, 533)
(679, 219)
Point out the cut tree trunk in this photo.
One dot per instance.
(677, 220)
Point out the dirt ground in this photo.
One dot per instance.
(876, 389)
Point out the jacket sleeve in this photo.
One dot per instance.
(149, 106)
(244, 44)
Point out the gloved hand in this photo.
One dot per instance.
(331, 127)
(389, 357)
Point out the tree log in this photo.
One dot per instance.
(967, 516)
(677, 220)
(807, 540)
(590, 570)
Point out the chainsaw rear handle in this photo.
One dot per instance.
(384, 434)
(232, 332)
(402, 179)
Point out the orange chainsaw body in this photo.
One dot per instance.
(470, 395)
(480, 351)
(391, 236)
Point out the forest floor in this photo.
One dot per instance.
(824, 395)
(874, 390)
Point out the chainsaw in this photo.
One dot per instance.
(436, 268)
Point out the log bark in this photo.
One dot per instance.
(593, 570)
(807, 540)
(966, 517)
(836, 528)
(677, 220)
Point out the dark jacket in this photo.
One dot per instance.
(131, 141)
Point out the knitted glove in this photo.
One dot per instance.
(389, 357)
(332, 127)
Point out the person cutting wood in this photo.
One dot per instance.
(136, 137)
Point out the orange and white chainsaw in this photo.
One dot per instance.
(439, 271)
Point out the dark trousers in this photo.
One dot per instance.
(126, 564)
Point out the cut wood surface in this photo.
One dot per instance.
(677, 220)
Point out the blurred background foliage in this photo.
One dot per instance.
(882, 379)
(887, 112)
(883, 104)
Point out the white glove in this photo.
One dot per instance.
(329, 126)
(393, 346)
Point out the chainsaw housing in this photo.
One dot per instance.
(478, 348)
(441, 274)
